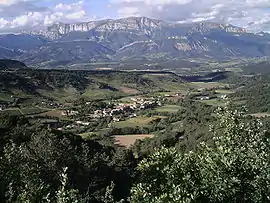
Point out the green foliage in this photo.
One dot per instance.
(32, 158)
(256, 94)
(184, 129)
(11, 64)
(235, 168)
(63, 195)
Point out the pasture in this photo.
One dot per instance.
(134, 122)
(168, 109)
(129, 140)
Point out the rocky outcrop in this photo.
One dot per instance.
(138, 25)
(207, 26)
(134, 37)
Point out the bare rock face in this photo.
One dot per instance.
(183, 46)
(138, 25)
(207, 26)
(141, 25)
(134, 37)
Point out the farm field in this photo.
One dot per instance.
(215, 102)
(86, 135)
(127, 90)
(168, 108)
(5, 97)
(206, 85)
(101, 94)
(25, 111)
(129, 140)
(52, 113)
(221, 91)
(12, 111)
(62, 94)
(138, 121)
(260, 115)
(32, 111)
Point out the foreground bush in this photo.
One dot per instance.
(235, 168)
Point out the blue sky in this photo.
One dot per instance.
(16, 15)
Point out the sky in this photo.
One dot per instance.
(16, 15)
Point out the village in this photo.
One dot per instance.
(83, 117)
(119, 111)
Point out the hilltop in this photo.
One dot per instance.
(11, 64)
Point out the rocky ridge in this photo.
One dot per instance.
(114, 40)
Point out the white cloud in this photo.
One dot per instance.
(8, 2)
(128, 11)
(68, 7)
(52, 18)
(76, 15)
(18, 15)
(252, 14)
(22, 14)
(3, 22)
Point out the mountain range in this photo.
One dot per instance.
(128, 38)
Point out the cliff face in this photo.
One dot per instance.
(135, 25)
(134, 37)
(206, 27)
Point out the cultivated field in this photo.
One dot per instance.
(129, 140)
(138, 121)
(129, 90)
(52, 113)
(221, 91)
(215, 102)
(206, 85)
(168, 108)
(260, 115)
(32, 111)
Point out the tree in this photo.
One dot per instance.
(30, 167)
(234, 168)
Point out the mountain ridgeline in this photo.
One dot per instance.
(124, 39)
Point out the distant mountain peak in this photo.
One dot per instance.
(121, 39)
(207, 26)
(144, 25)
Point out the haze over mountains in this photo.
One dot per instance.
(123, 39)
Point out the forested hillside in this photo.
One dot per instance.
(133, 136)
(40, 165)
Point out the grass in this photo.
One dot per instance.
(236, 70)
(87, 135)
(13, 111)
(260, 115)
(6, 97)
(134, 122)
(61, 95)
(129, 140)
(25, 111)
(102, 131)
(168, 108)
(127, 90)
(32, 111)
(102, 94)
(178, 124)
(48, 121)
(52, 113)
(206, 85)
(220, 91)
(125, 99)
(165, 81)
(215, 102)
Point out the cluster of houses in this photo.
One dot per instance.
(126, 109)
(223, 96)
(117, 113)
(69, 113)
